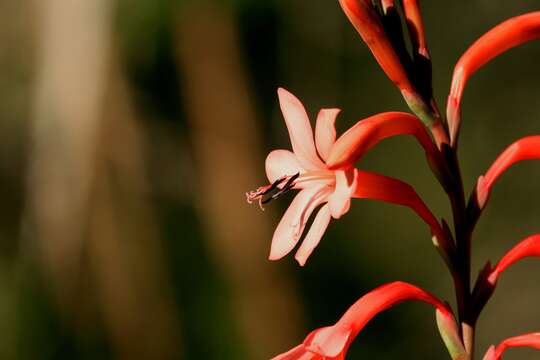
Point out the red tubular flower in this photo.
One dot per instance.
(530, 247)
(527, 340)
(332, 342)
(511, 33)
(307, 169)
(485, 286)
(527, 148)
(365, 18)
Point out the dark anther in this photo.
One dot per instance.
(288, 186)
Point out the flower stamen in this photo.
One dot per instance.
(260, 194)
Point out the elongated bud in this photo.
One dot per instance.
(489, 276)
(530, 247)
(411, 8)
(531, 340)
(384, 188)
(527, 148)
(511, 33)
(366, 20)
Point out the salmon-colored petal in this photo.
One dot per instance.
(340, 200)
(330, 341)
(527, 148)
(325, 131)
(531, 340)
(314, 235)
(300, 131)
(503, 37)
(530, 247)
(293, 222)
(281, 163)
(297, 353)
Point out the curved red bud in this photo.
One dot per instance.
(511, 33)
(527, 148)
(530, 247)
(332, 342)
(365, 134)
(415, 24)
(365, 18)
(527, 340)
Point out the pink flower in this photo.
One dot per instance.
(307, 169)
(332, 342)
(503, 37)
(527, 340)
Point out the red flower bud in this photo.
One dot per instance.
(530, 247)
(527, 148)
(366, 20)
(511, 33)
(527, 340)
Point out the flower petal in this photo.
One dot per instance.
(297, 353)
(340, 200)
(314, 235)
(503, 37)
(325, 131)
(330, 341)
(300, 131)
(367, 133)
(281, 163)
(293, 222)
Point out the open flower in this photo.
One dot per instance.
(306, 168)
(332, 342)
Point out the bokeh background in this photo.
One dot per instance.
(130, 130)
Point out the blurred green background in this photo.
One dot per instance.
(131, 129)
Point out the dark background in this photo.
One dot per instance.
(131, 129)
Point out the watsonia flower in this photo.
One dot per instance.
(323, 170)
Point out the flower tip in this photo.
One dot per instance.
(490, 354)
(301, 260)
(482, 192)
